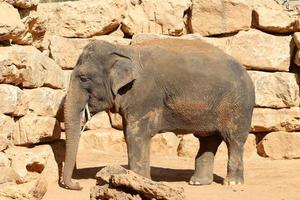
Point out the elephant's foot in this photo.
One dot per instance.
(233, 181)
(197, 180)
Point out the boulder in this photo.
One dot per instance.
(296, 38)
(46, 159)
(105, 192)
(10, 27)
(275, 20)
(220, 17)
(4, 161)
(34, 189)
(35, 28)
(23, 3)
(7, 126)
(104, 140)
(280, 145)
(42, 101)
(132, 186)
(66, 18)
(275, 90)
(116, 120)
(162, 17)
(188, 146)
(268, 120)
(10, 98)
(98, 121)
(164, 144)
(65, 51)
(34, 129)
(28, 67)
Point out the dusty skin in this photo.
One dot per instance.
(264, 179)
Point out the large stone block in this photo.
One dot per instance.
(11, 26)
(163, 17)
(165, 144)
(280, 145)
(65, 51)
(105, 140)
(256, 49)
(219, 17)
(34, 129)
(42, 101)
(275, 20)
(82, 19)
(10, 98)
(7, 126)
(98, 121)
(275, 90)
(268, 120)
(28, 67)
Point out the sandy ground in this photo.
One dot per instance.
(264, 178)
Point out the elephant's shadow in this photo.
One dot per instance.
(157, 174)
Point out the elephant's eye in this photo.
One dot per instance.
(83, 78)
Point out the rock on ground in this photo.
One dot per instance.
(280, 145)
(23, 3)
(130, 185)
(34, 188)
(220, 17)
(34, 129)
(272, 120)
(275, 90)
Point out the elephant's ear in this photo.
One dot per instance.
(122, 72)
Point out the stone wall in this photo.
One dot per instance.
(40, 43)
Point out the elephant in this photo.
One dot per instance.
(163, 85)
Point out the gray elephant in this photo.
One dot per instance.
(174, 85)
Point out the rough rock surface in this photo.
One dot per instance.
(10, 98)
(296, 38)
(188, 146)
(220, 17)
(280, 145)
(42, 101)
(163, 17)
(34, 188)
(65, 51)
(8, 175)
(297, 58)
(34, 129)
(128, 182)
(165, 144)
(105, 140)
(3, 143)
(23, 3)
(10, 27)
(275, 20)
(66, 18)
(4, 161)
(7, 126)
(267, 120)
(26, 66)
(98, 121)
(275, 90)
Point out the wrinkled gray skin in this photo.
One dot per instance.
(164, 85)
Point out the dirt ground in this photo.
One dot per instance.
(264, 179)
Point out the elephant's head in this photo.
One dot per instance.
(101, 71)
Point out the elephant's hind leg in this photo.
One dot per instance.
(204, 161)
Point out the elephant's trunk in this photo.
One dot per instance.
(73, 107)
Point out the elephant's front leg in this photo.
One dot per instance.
(138, 141)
